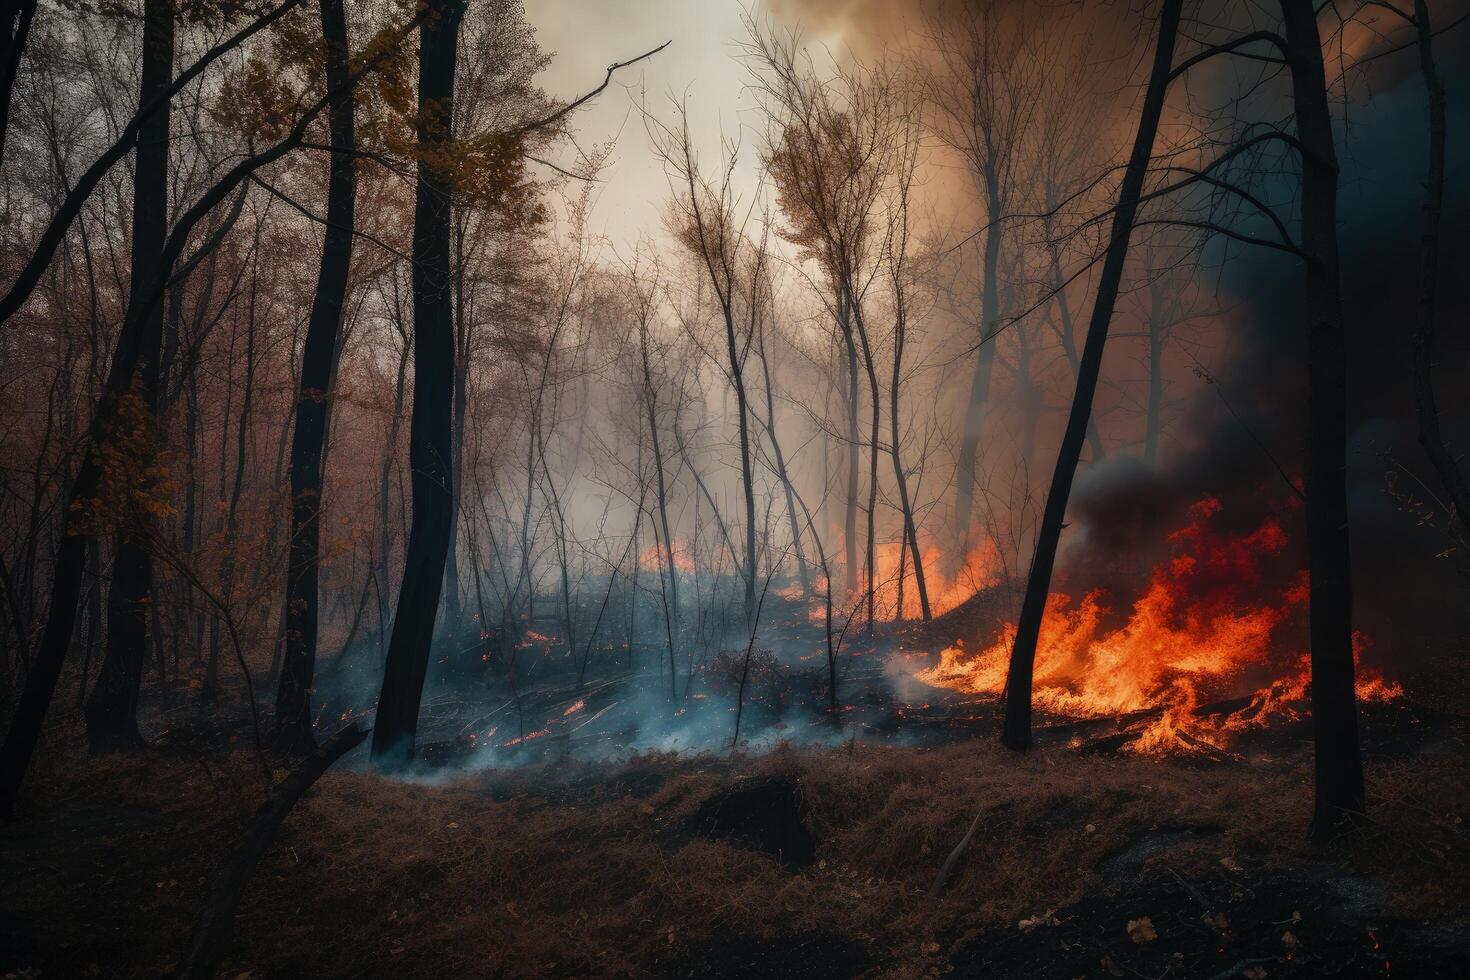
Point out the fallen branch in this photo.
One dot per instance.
(942, 879)
(212, 929)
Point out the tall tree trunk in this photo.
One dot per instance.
(385, 497)
(431, 423)
(747, 476)
(112, 709)
(15, 27)
(875, 403)
(293, 697)
(850, 502)
(782, 472)
(1339, 760)
(966, 463)
(910, 529)
(1016, 732)
(1428, 414)
(30, 714)
(1069, 344)
(650, 399)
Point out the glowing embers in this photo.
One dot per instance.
(1204, 629)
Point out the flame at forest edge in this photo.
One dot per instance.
(1200, 632)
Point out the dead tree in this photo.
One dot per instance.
(112, 710)
(1016, 732)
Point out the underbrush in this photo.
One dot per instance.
(592, 869)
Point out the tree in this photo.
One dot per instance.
(293, 698)
(1016, 732)
(985, 101)
(1338, 756)
(112, 709)
(430, 423)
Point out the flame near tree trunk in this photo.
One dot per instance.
(1205, 628)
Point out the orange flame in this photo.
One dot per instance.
(1193, 635)
(653, 559)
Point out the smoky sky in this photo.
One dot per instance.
(1406, 594)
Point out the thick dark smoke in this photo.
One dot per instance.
(1235, 437)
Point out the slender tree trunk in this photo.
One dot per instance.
(849, 517)
(1153, 420)
(1430, 436)
(910, 529)
(1016, 733)
(747, 477)
(293, 697)
(385, 498)
(875, 402)
(974, 426)
(781, 471)
(112, 709)
(651, 402)
(1069, 345)
(430, 426)
(1339, 760)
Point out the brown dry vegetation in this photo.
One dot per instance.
(578, 869)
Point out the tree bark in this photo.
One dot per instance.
(1427, 412)
(1339, 761)
(76, 198)
(112, 709)
(15, 28)
(1016, 732)
(431, 423)
(293, 697)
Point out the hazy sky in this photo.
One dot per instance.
(588, 35)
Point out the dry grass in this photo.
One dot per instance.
(583, 869)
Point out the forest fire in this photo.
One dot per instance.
(1206, 628)
(946, 589)
(734, 489)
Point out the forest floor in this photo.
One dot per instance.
(796, 863)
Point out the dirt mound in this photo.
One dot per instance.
(761, 813)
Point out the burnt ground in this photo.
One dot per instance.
(1086, 862)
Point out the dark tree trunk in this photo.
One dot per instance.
(76, 198)
(1428, 413)
(15, 27)
(431, 423)
(1016, 732)
(30, 714)
(1339, 760)
(293, 697)
(910, 526)
(112, 709)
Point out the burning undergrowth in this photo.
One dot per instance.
(1221, 618)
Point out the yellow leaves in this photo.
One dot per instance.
(1230, 864)
(1141, 930)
